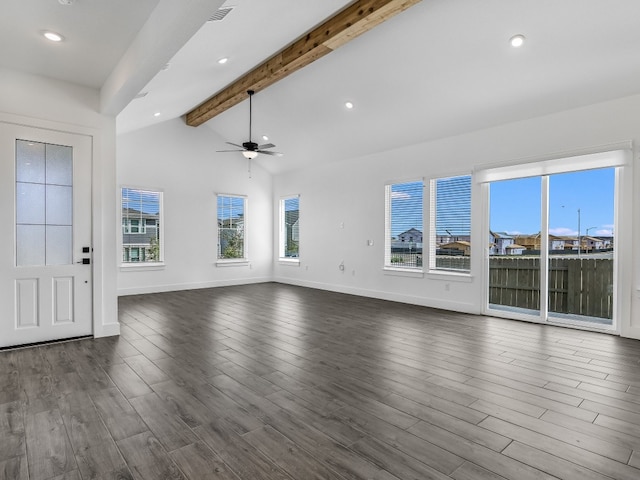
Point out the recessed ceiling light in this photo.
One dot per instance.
(349, 105)
(157, 114)
(53, 36)
(223, 60)
(265, 138)
(517, 40)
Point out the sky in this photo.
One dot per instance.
(141, 200)
(515, 204)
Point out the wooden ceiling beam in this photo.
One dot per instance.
(352, 21)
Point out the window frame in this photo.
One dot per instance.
(244, 260)
(433, 234)
(282, 238)
(142, 229)
(388, 265)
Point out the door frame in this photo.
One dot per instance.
(615, 155)
(103, 215)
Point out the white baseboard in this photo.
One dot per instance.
(190, 286)
(394, 297)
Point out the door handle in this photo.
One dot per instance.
(85, 261)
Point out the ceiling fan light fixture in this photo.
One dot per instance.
(249, 154)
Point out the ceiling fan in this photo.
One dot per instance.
(250, 149)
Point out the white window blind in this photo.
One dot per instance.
(290, 227)
(141, 226)
(231, 227)
(450, 245)
(404, 228)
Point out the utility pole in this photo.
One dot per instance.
(579, 239)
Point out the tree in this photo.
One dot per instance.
(233, 243)
(153, 254)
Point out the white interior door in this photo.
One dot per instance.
(45, 235)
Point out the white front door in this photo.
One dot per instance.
(45, 235)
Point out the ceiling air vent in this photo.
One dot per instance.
(220, 14)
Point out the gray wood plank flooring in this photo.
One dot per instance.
(272, 381)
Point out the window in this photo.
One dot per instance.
(450, 246)
(403, 238)
(141, 223)
(290, 228)
(133, 225)
(232, 227)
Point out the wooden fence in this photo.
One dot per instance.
(579, 286)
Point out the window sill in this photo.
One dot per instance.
(240, 262)
(450, 275)
(403, 272)
(140, 266)
(290, 262)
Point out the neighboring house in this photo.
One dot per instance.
(570, 243)
(556, 243)
(461, 246)
(413, 235)
(140, 235)
(592, 243)
(448, 238)
(514, 249)
(532, 242)
(607, 242)
(499, 241)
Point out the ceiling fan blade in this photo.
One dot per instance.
(266, 145)
(234, 144)
(267, 152)
(222, 151)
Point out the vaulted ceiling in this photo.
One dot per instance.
(440, 68)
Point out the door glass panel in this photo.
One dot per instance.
(44, 204)
(59, 243)
(30, 204)
(30, 242)
(30, 165)
(59, 205)
(514, 245)
(59, 165)
(581, 244)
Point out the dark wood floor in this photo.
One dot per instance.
(278, 382)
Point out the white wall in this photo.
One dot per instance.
(181, 161)
(351, 194)
(46, 103)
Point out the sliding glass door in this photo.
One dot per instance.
(514, 245)
(551, 247)
(581, 246)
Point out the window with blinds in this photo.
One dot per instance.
(232, 227)
(403, 225)
(450, 245)
(290, 228)
(141, 226)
